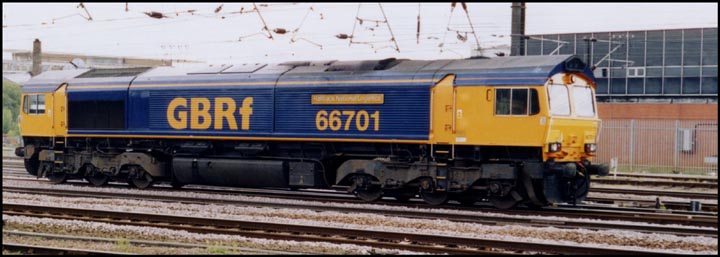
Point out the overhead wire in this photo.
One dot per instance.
(459, 36)
(360, 21)
(296, 30)
(396, 32)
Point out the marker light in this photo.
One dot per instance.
(555, 147)
(590, 148)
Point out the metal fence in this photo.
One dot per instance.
(659, 146)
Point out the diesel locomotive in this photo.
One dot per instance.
(508, 130)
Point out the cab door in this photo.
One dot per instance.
(59, 116)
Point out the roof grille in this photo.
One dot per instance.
(120, 72)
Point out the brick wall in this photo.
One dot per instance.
(663, 111)
(655, 139)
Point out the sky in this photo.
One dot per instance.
(219, 33)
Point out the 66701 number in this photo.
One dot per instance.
(336, 120)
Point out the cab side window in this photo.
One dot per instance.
(41, 104)
(516, 101)
(34, 104)
(26, 104)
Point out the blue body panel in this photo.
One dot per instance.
(403, 115)
(260, 120)
(283, 111)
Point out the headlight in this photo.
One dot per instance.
(590, 148)
(554, 147)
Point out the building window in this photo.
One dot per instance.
(671, 85)
(691, 47)
(636, 48)
(691, 85)
(602, 72)
(533, 47)
(635, 86)
(653, 86)
(617, 86)
(654, 48)
(673, 47)
(710, 46)
(602, 86)
(709, 84)
(637, 72)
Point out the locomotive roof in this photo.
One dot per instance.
(510, 70)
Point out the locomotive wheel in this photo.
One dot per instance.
(143, 182)
(434, 198)
(94, 177)
(369, 195)
(365, 190)
(57, 177)
(504, 202)
(32, 165)
(97, 179)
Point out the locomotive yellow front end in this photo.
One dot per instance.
(571, 140)
(572, 126)
(521, 130)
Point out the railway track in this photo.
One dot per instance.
(666, 193)
(140, 242)
(641, 203)
(706, 179)
(267, 230)
(343, 197)
(37, 249)
(416, 213)
(580, 211)
(584, 211)
(653, 182)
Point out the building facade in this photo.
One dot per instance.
(665, 66)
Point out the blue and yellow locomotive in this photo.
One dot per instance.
(509, 130)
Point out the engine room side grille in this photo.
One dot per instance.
(121, 72)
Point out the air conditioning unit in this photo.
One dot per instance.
(685, 140)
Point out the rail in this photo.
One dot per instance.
(385, 239)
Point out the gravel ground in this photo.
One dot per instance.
(100, 229)
(119, 246)
(479, 213)
(624, 239)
